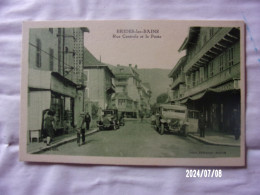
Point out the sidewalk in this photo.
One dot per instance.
(217, 138)
(38, 147)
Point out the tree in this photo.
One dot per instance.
(162, 98)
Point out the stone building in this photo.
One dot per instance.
(208, 77)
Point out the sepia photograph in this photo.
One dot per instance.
(148, 92)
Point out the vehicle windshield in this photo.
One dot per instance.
(173, 113)
(173, 110)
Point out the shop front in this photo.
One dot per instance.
(50, 91)
(220, 107)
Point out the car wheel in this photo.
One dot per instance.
(162, 129)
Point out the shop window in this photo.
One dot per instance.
(38, 53)
(51, 58)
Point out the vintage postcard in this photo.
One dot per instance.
(153, 93)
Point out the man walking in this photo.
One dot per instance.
(87, 120)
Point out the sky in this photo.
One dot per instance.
(146, 51)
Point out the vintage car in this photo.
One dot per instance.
(176, 118)
(109, 120)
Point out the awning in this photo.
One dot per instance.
(197, 96)
(230, 86)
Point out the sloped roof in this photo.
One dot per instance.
(90, 59)
(124, 72)
(191, 38)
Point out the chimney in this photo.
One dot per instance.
(136, 66)
(130, 65)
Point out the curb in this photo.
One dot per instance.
(212, 142)
(70, 139)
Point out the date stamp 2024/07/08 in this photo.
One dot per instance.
(204, 173)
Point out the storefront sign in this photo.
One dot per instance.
(62, 87)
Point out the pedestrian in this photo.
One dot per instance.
(87, 120)
(49, 125)
(202, 125)
(141, 116)
(80, 129)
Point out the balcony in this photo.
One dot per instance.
(179, 80)
(213, 47)
(121, 83)
(230, 73)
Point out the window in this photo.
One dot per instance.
(193, 79)
(197, 77)
(201, 72)
(204, 40)
(121, 102)
(206, 73)
(211, 32)
(221, 63)
(231, 57)
(211, 69)
(38, 53)
(51, 59)
(51, 30)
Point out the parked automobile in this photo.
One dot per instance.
(109, 120)
(176, 118)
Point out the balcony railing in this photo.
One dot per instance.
(118, 83)
(221, 77)
(207, 47)
(179, 80)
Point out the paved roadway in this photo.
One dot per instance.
(139, 139)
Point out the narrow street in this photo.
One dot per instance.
(139, 139)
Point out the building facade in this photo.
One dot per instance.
(208, 77)
(128, 85)
(99, 86)
(55, 76)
